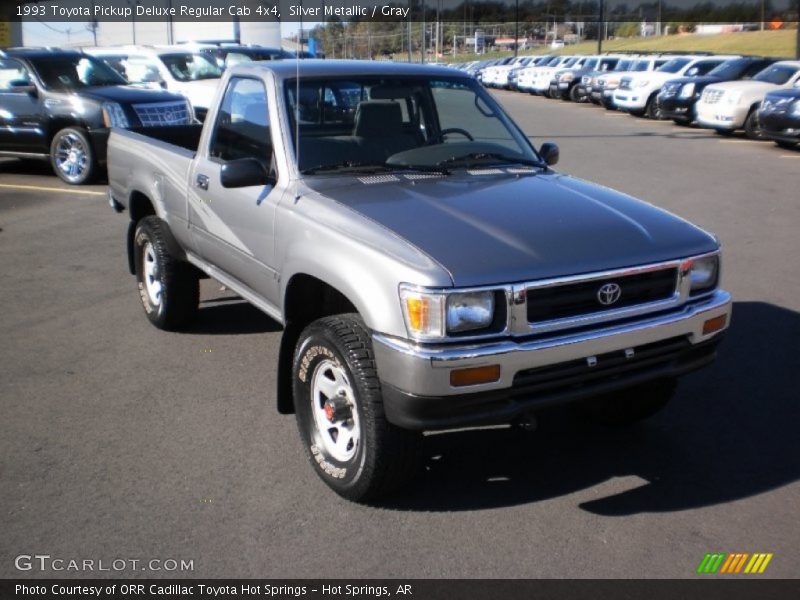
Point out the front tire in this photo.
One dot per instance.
(339, 409)
(630, 406)
(752, 129)
(72, 156)
(786, 145)
(168, 288)
(652, 110)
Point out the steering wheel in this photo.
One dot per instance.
(458, 130)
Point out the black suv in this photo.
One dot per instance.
(678, 96)
(60, 104)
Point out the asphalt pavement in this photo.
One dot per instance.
(119, 441)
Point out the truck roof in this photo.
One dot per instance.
(288, 68)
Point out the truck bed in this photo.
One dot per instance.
(185, 136)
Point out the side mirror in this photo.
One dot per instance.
(244, 172)
(20, 86)
(549, 153)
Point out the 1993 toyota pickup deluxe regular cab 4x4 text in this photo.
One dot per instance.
(429, 267)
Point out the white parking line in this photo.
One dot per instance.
(790, 156)
(760, 143)
(11, 186)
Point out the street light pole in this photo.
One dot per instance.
(600, 27)
(516, 28)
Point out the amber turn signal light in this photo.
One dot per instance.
(714, 324)
(474, 375)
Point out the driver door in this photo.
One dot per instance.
(235, 227)
(21, 117)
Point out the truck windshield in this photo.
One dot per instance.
(392, 123)
(777, 74)
(66, 73)
(186, 66)
(674, 65)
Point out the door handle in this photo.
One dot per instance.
(202, 182)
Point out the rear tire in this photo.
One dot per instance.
(573, 94)
(630, 406)
(72, 156)
(787, 145)
(168, 288)
(357, 452)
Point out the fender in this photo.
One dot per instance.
(172, 244)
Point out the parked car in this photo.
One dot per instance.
(726, 107)
(539, 77)
(58, 105)
(409, 301)
(779, 117)
(679, 96)
(569, 82)
(637, 93)
(581, 90)
(514, 73)
(607, 85)
(554, 91)
(228, 55)
(497, 76)
(175, 68)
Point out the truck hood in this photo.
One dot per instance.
(750, 87)
(493, 229)
(125, 94)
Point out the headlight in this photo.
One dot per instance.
(567, 77)
(468, 311)
(796, 108)
(733, 97)
(687, 91)
(704, 273)
(431, 315)
(113, 115)
(643, 83)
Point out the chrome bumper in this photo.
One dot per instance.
(425, 370)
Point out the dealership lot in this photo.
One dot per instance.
(122, 441)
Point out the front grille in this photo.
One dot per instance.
(581, 298)
(162, 113)
(711, 96)
(622, 363)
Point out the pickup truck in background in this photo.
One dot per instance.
(430, 268)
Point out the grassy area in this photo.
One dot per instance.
(764, 43)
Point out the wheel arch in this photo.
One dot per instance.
(306, 299)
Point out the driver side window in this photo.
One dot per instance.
(242, 125)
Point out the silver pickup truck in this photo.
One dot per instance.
(430, 269)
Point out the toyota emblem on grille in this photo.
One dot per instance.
(168, 116)
(608, 294)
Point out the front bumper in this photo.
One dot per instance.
(631, 99)
(416, 379)
(99, 139)
(780, 127)
(718, 116)
(677, 108)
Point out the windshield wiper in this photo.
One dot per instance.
(347, 165)
(495, 157)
